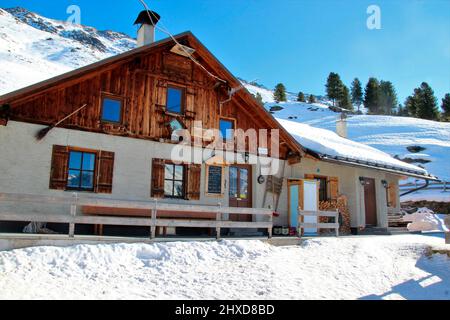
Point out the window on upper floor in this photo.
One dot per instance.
(112, 109)
(226, 127)
(175, 99)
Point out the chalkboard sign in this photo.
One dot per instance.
(215, 180)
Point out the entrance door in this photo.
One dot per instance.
(241, 190)
(370, 201)
(310, 202)
(303, 194)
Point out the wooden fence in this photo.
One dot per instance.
(318, 225)
(152, 222)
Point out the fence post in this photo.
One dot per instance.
(153, 222)
(299, 221)
(336, 220)
(73, 213)
(270, 227)
(218, 220)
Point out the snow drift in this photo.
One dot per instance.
(426, 220)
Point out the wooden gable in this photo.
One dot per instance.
(140, 79)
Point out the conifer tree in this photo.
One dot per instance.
(371, 96)
(387, 98)
(446, 107)
(280, 93)
(344, 100)
(311, 99)
(412, 103)
(427, 103)
(301, 97)
(334, 87)
(357, 93)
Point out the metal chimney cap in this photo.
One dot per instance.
(144, 18)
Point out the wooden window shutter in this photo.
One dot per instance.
(392, 195)
(158, 170)
(309, 176)
(193, 183)
(59, 168)
(161, 93)
(105, 172)
(333, 184)
(190, 96)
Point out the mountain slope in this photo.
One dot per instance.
(34, 48)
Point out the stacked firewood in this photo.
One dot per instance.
(331, 205)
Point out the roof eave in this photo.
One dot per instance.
(379, 168)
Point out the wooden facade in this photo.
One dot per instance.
(140, 79)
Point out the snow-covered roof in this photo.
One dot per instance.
(329, 146)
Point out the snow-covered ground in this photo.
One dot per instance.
(328, 268)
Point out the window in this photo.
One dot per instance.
(226, 128)
(175, 100)
(81, 170)
(112, 109)
(174, 181)
(323, 196)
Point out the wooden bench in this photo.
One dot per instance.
(144, 213)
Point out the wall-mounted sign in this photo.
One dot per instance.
(214, 180)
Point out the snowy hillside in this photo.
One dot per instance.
(393, 135)
(34, 48)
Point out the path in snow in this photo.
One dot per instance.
(327, 268)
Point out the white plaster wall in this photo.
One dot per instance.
(349, 186)
(25, 166)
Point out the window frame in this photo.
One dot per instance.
(94, 172)
(183, 99)
(324, 189)
(233, 121)
(183, 181)
(113, 97)
(320, 178)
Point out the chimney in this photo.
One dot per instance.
(147, 21)
(341, 126)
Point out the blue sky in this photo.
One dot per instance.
(297, 42)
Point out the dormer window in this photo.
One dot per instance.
(112, 109)
(175, 99)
